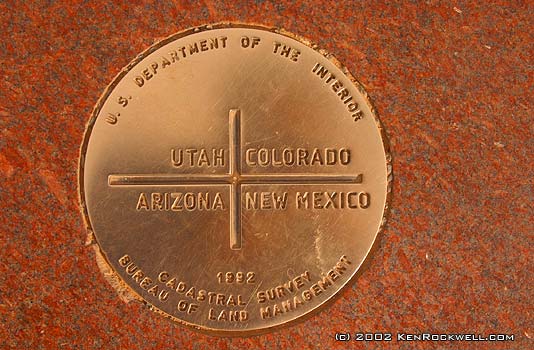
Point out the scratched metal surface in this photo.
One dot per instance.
(230, 197)
(453, 86)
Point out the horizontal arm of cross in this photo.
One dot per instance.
(211, 179)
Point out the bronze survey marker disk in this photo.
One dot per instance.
(234, 177)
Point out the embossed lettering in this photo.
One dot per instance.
(337, 87)
(282, 290)
(265, 200)
(332, 200)
(289, 157)
(198, 158)
(228, 315)
(286, 51)
(179, 201)
(190, 49)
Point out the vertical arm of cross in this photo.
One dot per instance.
(235, 171)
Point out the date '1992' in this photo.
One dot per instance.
(236, 277)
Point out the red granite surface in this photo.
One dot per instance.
(453, 83)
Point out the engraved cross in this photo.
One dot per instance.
(234, 178)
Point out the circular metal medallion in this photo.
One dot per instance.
(235, 177)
